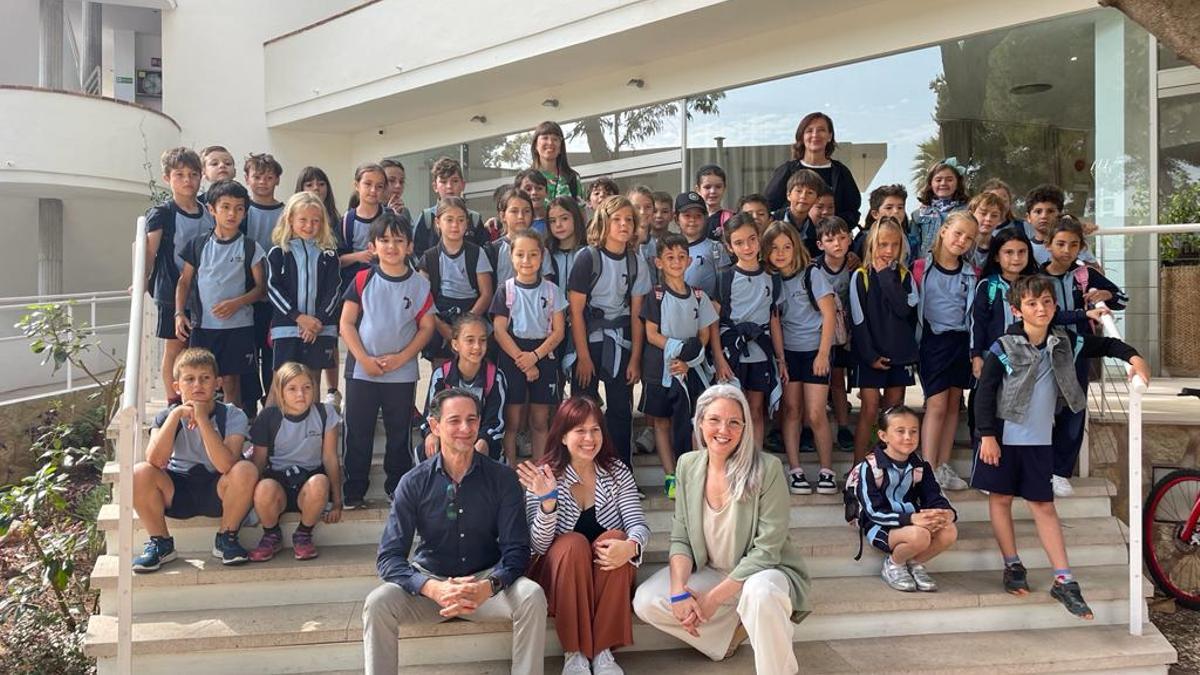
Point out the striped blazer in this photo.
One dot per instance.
(617, 508)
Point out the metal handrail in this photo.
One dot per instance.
(19, 301)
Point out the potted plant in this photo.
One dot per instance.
(1179, 283)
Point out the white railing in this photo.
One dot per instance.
(129, 447)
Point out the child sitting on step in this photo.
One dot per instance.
(296, 448)
(910, 528)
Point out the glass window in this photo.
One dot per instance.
(418, 183)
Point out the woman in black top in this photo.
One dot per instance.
(813, 150)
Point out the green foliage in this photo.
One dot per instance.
(1182, 206)
(54, 334)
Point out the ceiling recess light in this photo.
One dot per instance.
(1032, 88)
(550, 103)
(1074, 58)
(636, 83)
(479, 119)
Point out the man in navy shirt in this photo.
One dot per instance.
(469, 512)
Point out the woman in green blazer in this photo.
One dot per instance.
(734, 572)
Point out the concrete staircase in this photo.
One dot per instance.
(285, 616)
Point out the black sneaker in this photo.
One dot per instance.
(352, 503)
(826, 484)
(845, 439)
(1016, 579)
(227, 547)
(799, 485)
(806, 441)
(158, 550)
(1068, 593)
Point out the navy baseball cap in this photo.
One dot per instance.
(690, 200)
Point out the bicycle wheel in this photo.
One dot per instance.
(1173, 563)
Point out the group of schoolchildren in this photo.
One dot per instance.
(563, 288)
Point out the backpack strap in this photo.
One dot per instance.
(918, 270)
(248, 247)
(597, 265)
(360, 280)
(324, 415)
(348, 229)
(274, 422)
(630, 276)
(776, 289)
(489, 377)
(471, 251)
(432, 260)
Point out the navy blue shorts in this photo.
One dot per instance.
(234, 348)
(945, 361)
(195, 494)
(654, 399)
(754, 376)
(866, 377)
(166, 322)
(292, 481)
(263, 314)
(544, 390)
(317, 355)
(842, 358)
(878, 535)
(1024, 471)
(800, 368)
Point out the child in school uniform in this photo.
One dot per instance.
(296, 449)
(459, 273)
(756, 205)
(663, 214)
(678, 319)
(218, 164)
(534, 184)
(222, 277)
(1001, 189)
(822, 208)
(942, 192)
(751, 339)
(607, 284)
(1027, 374)
(262, 173)
(710, 185)
(528, 314)
(194, 465)
(354, 230)
(642, 199)
(602, 188)
(314, 180)
(883, 312)
(393, 198)
(708, 255)
(807, 317)
(836, 263)
(169, 228)
(887, 201)
(1044, 206)
(471, 370)
(516, 213)
(802, 190)
(946, 280)
(448, 181)
(910, 528)
(387, 319)
(1077, 287)
(303, 284)
(988, 210)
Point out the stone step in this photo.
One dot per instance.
(844, 608)
(829, 552)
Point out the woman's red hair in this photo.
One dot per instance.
(573, 412)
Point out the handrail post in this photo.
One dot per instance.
(128, 450)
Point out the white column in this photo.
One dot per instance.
(50, 47)
(93, 13)
(50, 246)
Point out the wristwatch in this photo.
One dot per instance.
(496, 584)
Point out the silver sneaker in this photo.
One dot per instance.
(925, 583)
(575, 663)
(605, 664)
(1061, 486)
(948, 479)
(897, 576)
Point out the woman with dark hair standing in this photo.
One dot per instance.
(549, 151)
(813, 149)
(587, 532)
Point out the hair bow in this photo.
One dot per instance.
(952, 162)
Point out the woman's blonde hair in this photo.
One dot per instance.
(774, 231)
(282, 234)
(286, 373)
(743, 470)
(884, 223)
(597, 231)
(951, 219)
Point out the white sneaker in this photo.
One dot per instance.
(948, 479)
(1062, 486)
(645, 442)
(605, 664)
(334, 398)
(575, 663)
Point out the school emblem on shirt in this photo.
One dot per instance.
(407, 302)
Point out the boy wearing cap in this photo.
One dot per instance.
(708, 256)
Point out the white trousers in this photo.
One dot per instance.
(764, 607)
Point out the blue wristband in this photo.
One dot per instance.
(681, 597)
(553, 494)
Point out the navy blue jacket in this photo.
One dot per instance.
(883, 312)
(899, 494)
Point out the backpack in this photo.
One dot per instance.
(220, 416)
(360, 280)
(841, 331)
(598, 266)
(275, 420)
(431, 263)
(510, 295)
(853, 509)
(248, 245)
(348, 229)
(725, 287)
(489, 375)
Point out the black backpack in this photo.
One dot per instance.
(274, 418)
(598, 266)
(725, 288)
(431, 264)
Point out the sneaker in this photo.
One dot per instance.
(605, 664)
(227, 547)
(1068, 593)
(799, 485)
(158, 551)
(669, 486)
(334, 398)
(352, 503)
(845, 439)
(948, 479)
(1016, 579)
(826, 483)
(302, 545)
(641, 493)
(806, 441)
(925, 583)
(773, 442)
(1062, 486)
(270, 544)
(644, 445)
(575, 663)
(897, 576)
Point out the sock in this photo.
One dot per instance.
(1063, 576)
(827, 472)
(272, 530)
(796, 472)
(304, 529)
(1010, 560)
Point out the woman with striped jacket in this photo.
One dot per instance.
(587, 532)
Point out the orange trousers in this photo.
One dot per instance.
(592, 608)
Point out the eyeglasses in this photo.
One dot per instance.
(451, 495)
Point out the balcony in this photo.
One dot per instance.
(67, 144)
